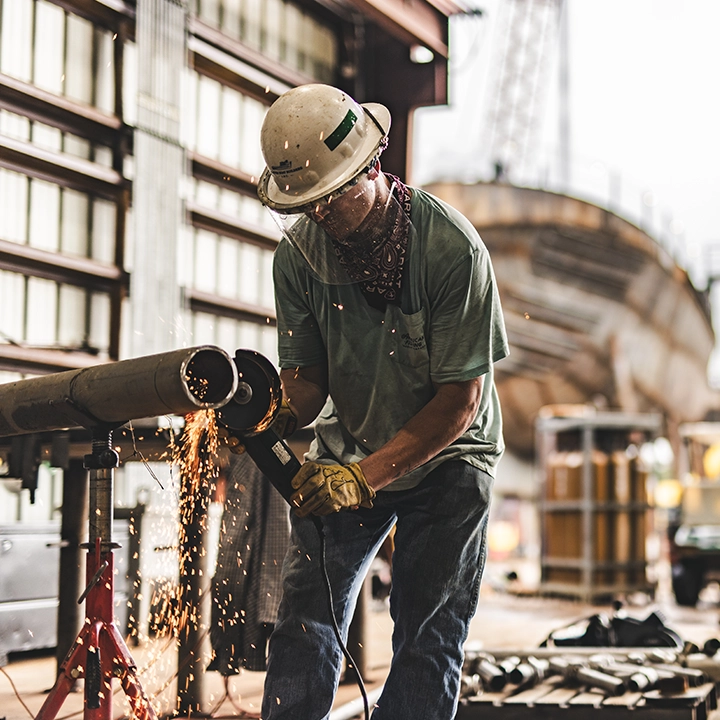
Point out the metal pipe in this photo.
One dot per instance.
(595, 678)
(492, 677)
(354, 708)
(642, 653)
(174, 382)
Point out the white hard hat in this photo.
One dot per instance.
(315, 139)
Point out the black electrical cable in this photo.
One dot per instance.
(328, 593)
(278, 463)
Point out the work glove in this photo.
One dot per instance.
(284, 426)
(325, 489)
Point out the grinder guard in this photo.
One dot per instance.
(250, 414)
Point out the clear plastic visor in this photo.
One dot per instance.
(338, 233)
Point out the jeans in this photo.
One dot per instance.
(437, 566)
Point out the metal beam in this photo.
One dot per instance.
(108, 13)
(267, 77)
(217, 173)
(450, 7)
(28, 159)
(228, 307)
(60, 268)
(230, 226)
(230, 70)
(39, 361)
(46, 107)
(411, 21)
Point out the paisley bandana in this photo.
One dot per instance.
(378, 270)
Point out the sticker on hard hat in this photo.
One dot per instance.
(342, 130)
(284, 168)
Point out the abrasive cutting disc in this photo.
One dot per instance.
(257, 400)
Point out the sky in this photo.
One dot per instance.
(643, 111)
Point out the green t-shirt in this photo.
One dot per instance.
(382, 365)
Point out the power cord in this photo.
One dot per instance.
(351, 665)
(276, 460)
(17, 694)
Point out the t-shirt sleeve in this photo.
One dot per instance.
(467, 331)
(300, 342)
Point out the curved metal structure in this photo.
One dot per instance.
(596, 310)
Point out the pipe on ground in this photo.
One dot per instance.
(355, 708)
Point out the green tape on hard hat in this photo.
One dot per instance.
(342, 130)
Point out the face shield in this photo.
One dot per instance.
(341, 235)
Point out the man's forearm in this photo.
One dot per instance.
(305, 389)
(443, 420)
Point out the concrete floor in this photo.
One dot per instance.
(504, 620)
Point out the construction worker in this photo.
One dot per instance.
(389, 323)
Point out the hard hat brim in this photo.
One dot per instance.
(271, 195)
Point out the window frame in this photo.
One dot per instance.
(98, 127)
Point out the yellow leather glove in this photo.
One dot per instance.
(326, 489)
(284, 425)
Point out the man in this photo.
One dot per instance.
(389, 324)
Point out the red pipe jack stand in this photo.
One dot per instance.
(99, 653)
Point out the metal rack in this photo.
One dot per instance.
(585, 574)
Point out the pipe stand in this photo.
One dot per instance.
(99, 653)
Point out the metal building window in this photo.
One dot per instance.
(49, 217)
(235, 206)
(227, 255)
(14, 194)
(244, 54)
(12, 301)
(52, 138)
(232, 269)
(44, 225)
(14, 126)
(16, 40)
(49, 47)
(231, 333)
(39, 312)
(42, 44)
(103, 218)
(205, 261)
(72, 316)
(252, 25)
(74, 223)
(42, 307)
(221, 123)
(279, 30)
(63, 197)
(79, 60)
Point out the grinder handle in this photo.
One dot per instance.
(274, 459)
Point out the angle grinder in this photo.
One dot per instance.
(249, 416)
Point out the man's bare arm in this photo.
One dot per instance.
(444, 419)
(306, 390)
